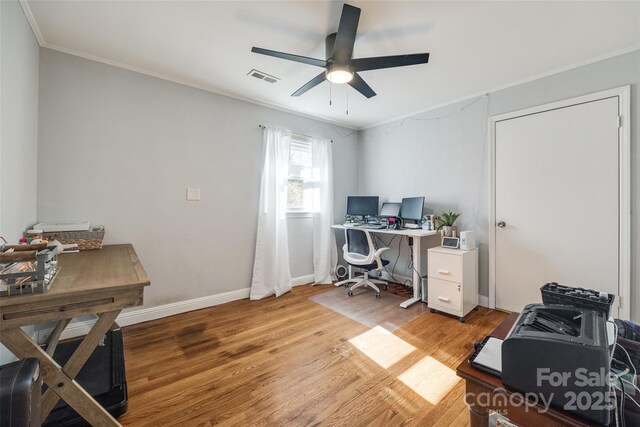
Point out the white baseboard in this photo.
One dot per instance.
(483, 301)
(302, 280)
(82, 327)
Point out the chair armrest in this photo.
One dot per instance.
(379, 252)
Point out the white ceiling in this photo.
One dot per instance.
(475, 46)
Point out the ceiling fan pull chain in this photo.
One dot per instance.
(330, 91)
(347, 100)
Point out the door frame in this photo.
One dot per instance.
(624, 181)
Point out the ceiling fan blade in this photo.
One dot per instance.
(346, 36)
(310, 84)
(290, 57)
(361, 86)
(376, 63)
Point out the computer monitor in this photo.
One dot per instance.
(390, 210)
(412, 209)
(362, 205)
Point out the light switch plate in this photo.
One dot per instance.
(193, 194)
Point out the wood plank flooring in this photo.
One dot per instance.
(289, 362)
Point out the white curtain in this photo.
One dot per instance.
(325, 255)
(271, 274)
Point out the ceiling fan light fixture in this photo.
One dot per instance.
(340, 66)
(339, 74)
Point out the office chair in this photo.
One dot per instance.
(360, 252)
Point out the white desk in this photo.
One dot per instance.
(417, 234)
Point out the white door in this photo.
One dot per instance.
(557, 201)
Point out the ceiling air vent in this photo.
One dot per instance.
(262, 76)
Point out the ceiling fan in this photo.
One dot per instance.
(340, 67)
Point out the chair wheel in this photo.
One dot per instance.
(433, 310)
(378, 295)
(462, 320)
(350, 293)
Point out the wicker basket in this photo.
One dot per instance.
(86, 240)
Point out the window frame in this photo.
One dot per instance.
(300, 141)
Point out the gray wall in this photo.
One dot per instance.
(19, 118)
(442, 154)
(119, 148)
(19, 137)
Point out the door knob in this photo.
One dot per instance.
(502, 224)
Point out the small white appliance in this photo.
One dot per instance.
(467, 240)
(424, 289)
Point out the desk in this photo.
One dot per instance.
(482, 389)
(101, 282)
(417, 234)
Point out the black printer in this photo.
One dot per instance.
(561, 354)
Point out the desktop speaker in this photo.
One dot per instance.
(341, 272)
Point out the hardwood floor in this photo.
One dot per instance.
(289, 361)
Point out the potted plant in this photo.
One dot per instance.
(445, 222)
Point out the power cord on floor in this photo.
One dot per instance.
(410, 266)
(390, 273)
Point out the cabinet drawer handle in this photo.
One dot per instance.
(443, 271)
(445, 299)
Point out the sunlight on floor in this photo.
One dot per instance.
(430, 379)
(382, 346)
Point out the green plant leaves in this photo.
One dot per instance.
(447, 219)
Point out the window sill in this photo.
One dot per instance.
(299, 214)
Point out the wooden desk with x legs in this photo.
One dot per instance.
(101, 282)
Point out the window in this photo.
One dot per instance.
(300, 185)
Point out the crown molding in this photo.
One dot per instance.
(194, 85)
(43, 43)
(32, 21)
(38, 34)
(509, 85)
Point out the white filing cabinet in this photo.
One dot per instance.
(453, 281)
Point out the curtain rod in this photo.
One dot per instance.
(295, 133)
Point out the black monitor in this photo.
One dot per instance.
(362, 206)
(412, 209)
(390, 210)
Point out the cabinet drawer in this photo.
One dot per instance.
(445, 266)
(443, 294)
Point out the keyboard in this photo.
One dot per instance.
(368, 226)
